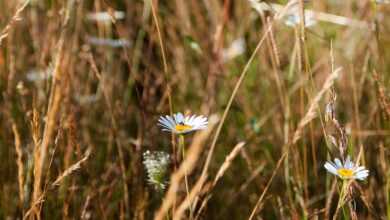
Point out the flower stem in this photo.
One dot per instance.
(182, 146)
(343, 194)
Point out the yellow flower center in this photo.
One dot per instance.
(345, 173)
(182, 127)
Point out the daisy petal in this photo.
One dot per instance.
(338, 163)
(179, 118)
(348, 163)
(165, 122)
(328, 166)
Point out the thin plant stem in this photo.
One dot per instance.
(340, 203)
(182, 146)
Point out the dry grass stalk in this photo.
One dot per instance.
(309, 116)
(274, 46)
(226, 164)
(19, 161)
(52, 118)
(155, 19)
(312, 111)
(189, 198)
(85, 207)
(52, 115)
(245, 185)
(186, 167)
(383, 100)
(330, 116)
(72, 169)
(228, 161)
(302, 20)
(32, 210)
(35, 128)
(276, 64)
(4, 33)
(352, 211)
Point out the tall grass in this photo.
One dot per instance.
(81, 94)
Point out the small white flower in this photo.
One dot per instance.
(180, 124)
(348, 170)
(156, 165)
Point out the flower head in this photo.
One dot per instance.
(348, 170)
(180, 124)
(156, 165)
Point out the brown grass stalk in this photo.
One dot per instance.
(312, 111)
(17, 17)
(19, 161)
(164, 58)
(228, 161)
(71, 169)
(383, 99)
(226, 164)
(52, 117)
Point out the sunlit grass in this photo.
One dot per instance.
(87, 87)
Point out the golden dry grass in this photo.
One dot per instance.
(83, 84)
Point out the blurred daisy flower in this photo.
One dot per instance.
(234, 50)
(348, 170)
(293, 19)
(156, 164)
(105, 16)
(180, 124)
(382, 1)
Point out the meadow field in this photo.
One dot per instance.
(195, 109)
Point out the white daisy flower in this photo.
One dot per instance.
(156, 165)
(348, 170)
(294, 19)
(180, 124)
